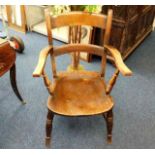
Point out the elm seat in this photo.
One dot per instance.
(79, 93)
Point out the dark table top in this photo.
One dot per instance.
(7, 56)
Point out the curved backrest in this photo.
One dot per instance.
(92, 49)
(79, 18)
(75, 21)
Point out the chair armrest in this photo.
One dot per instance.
(41, 62)
(118, 60)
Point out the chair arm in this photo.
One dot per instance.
(118, 60)
(41, 62)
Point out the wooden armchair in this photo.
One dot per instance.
(79, 92)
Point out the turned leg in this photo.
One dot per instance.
(49, 122)
(109, 122)
(13, 83)
(105, 116)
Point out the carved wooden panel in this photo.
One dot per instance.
(117, 30)
(131, 24)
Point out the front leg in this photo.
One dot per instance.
(49, 124)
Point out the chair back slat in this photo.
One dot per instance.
(79, 18)
(69, 48)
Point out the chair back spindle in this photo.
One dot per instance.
(75, 38)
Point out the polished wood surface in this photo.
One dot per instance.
(42, 60)
(7, 63)
(118, 60)
(79, 18)
(97, 50)
(131, 24)
(7, 58)
(49, 26)
(109, 122)
(49, 125)
(112, 82)
(79, 93)
(108, 27)
(47, 83)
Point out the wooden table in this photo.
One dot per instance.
(7, 63)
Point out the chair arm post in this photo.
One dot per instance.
(39, 70)
(112, 82)
(47, 83)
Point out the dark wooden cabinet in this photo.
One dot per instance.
(131, 24)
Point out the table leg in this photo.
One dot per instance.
(13, 83)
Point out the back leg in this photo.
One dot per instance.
(49, 121)
(108, 116)
(109, 122)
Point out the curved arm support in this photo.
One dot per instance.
(42, 60)
(118, 60)
(47, 83)
(112, 82)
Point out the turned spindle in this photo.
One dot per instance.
(112, 82)
(47, 82)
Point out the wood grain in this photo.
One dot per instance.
(79, 18)
(130, 26)
(118, 61)
(7, 63)
(79, 93)
(42, 60)
(108, 27)
(7, 57)
(112, 82)
(49, 26)
(89, 48)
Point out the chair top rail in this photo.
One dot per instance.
(79, 18)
